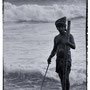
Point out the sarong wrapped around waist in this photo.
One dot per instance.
(60, 66)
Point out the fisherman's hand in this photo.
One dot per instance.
(68, 43)
(49, 60)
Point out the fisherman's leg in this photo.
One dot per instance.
(67, 83)
(61, 78)
(67, 78)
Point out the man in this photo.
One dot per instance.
(60, 42)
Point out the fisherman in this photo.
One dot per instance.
(59, 49)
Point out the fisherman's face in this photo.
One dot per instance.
(61, 29)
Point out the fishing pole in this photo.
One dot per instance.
(65, 57)
(44, 76)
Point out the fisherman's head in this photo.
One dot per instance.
(61, 24)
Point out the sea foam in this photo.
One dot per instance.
(41, 13)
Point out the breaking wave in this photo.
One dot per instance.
(38, 13)
(24, 77)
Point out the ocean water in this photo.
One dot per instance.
(29, 31)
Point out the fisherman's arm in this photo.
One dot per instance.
(71, 42)
(53, 52)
